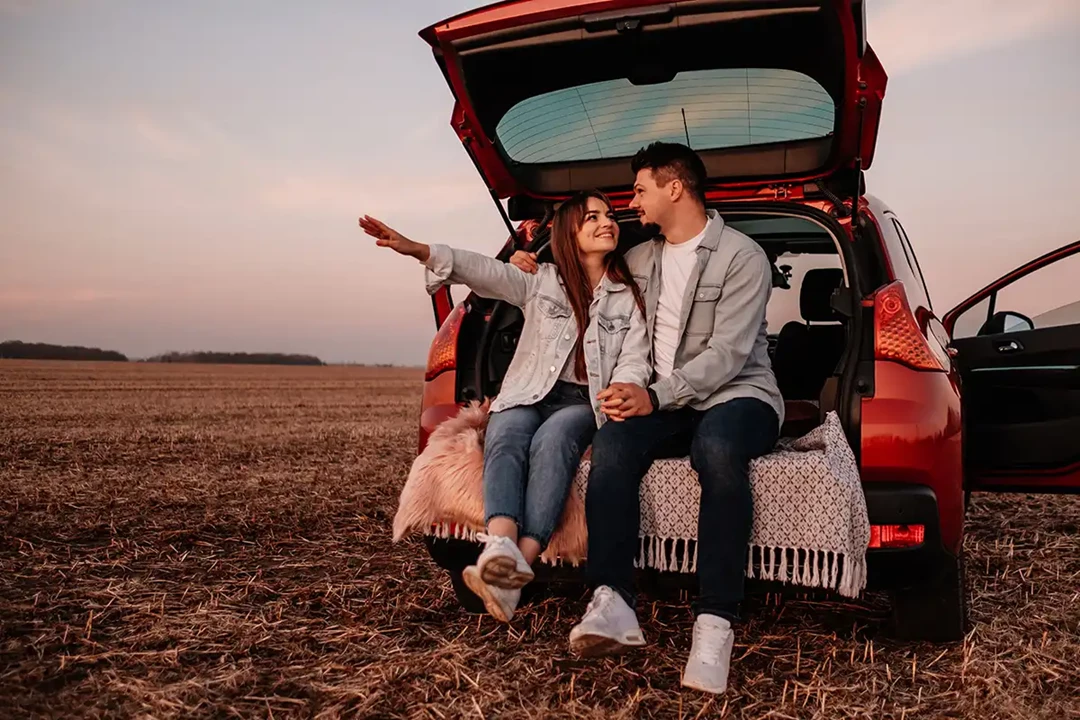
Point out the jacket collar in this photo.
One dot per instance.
(607, 285)
(713, 230)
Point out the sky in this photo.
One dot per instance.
(187, 176)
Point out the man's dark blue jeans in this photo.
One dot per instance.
(721, 442)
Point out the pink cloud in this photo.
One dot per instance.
(378, 194)
(907, 34)
(168, 143)
(22, 297)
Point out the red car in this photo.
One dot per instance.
(781, 98)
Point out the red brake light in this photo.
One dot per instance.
(896, 334)
(896, 536)
(443, 353)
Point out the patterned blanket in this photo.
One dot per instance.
(810, 523)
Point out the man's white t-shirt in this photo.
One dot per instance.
(678, 262)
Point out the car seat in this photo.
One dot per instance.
(807, 354)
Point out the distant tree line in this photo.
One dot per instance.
(236, 358)
(18, 350)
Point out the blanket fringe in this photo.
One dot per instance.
(455, 531)
(825, 569)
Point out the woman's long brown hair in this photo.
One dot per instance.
(564, 229)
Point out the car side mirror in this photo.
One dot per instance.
(1006, 322)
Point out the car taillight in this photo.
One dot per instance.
(443, 353)
(896, 334)
(897, 536)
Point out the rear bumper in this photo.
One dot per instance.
(886, 504)
(893, 568)
(911, 437)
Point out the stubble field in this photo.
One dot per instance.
(209, 541)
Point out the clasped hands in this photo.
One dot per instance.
(624, 400)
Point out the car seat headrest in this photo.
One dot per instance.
(815, 298)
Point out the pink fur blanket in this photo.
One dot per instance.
(444, 489)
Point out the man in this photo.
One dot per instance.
(713, 397)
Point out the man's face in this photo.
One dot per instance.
(652, 202)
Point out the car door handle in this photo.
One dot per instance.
(1010, 346)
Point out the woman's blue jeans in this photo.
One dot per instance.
(531, 454)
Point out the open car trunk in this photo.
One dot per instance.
(553, 96)
(814, 348)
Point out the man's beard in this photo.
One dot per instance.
(650, 230)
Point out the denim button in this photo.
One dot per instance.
(566, 337)
(552, 368)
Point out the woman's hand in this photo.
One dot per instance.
(623, 400)
(386, 236)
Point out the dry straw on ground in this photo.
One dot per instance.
(190, 541)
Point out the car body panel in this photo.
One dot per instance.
(912, 434)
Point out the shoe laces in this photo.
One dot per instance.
(709, 641)
(490, 540)
(602, 600)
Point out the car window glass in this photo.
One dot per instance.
(967, 324)
(903, 264)
(1050, 296)
(706, 109)
(913, 261)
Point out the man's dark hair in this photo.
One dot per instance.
(669, 161)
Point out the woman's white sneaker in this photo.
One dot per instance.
(710, 657)
(501, 563)
(500, 603)
(608, 628)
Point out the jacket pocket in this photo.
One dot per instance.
(613, 324)
(552, 315)
(552, 308)
(703, 311)
(612, 332)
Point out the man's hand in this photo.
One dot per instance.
(386, 236)
(622, 400)
(524, 261)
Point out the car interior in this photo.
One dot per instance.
(807, 337)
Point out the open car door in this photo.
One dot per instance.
(1016, 344)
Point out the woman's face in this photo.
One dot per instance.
(599, 233)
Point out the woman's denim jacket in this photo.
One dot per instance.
(616, 342)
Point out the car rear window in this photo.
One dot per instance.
(706, 109)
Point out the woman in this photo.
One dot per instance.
(584, 329)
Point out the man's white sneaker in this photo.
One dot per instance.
(501, 563)
(609, 626)
(710, 657)
(499, 603)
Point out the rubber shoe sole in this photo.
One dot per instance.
(502, 571)
(480, 588)
(602, 645)
(702, 687)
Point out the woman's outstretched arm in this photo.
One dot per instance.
(486, 276)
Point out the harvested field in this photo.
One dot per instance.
(209, 541)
